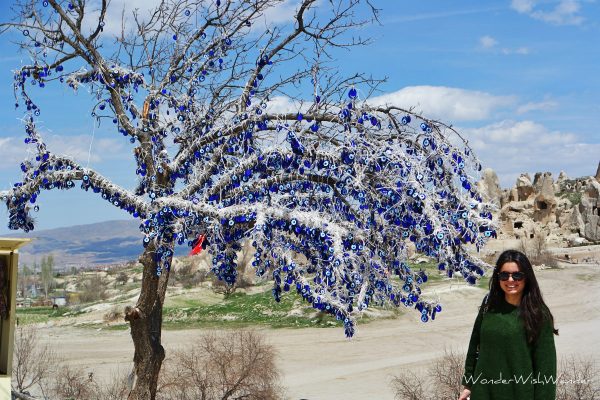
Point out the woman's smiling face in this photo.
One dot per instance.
(511, 287)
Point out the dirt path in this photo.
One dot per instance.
(320, 364)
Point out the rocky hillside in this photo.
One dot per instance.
(110, 242)
(565, 211)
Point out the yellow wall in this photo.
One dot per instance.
(10, 259)
(4, 387)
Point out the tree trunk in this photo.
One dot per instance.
(146, 322)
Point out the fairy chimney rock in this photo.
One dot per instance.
(562, 176)
(561, 181)
(590, 210)
(524, 187)
(575, 222)
(598, 172)
(545, 201)
(489, 186)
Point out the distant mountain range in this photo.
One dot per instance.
(78, 246)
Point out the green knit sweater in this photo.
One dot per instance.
(501, 365)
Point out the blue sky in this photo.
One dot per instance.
(520, 79)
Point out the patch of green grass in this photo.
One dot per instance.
(484, 282)
(240, 309)
(35, 315)
(431, 269)
(573, 197)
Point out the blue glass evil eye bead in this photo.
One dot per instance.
(406, 119)
(187, 13)
(352, 93)
(424, 318)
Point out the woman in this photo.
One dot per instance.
(511, 354)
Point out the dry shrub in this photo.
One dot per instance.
(222, 287)
(232, 365)
(536, 249)
(73, 384)
(33, 363)
(92, 289)
(443, 376)
(114, 314)
(410, 386)
(121, 278)
(188, 276)
(578, 379)
(447, 372)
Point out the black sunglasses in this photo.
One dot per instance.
(517, 276)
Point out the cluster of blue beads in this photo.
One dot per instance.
(432, 200)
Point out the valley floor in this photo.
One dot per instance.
(320, 363)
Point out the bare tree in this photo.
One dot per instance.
(409, 385)
(447, 372)
(74, 384)
(197, 87)
(579, 379)
(47, 273)
(442, 380)
(33, 363)
(536, 249)
(92, 288)
(231, 365)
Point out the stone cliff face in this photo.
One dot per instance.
(566, 211)
(589, 209)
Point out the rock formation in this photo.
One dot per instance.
(524, 188)
(545, 201)
(590, 211)
(565, 212)
(489, 187)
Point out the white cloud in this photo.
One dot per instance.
(282, 104)
(520, 50)
(282, 12)
(446, 103)
(546, 105)
(525, 133)
(123, 9)
(523, 6)
(13, 150)
(487, 42)
(566, 12)
(117, 11)
(513, 147)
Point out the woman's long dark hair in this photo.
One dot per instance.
(533, 311)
